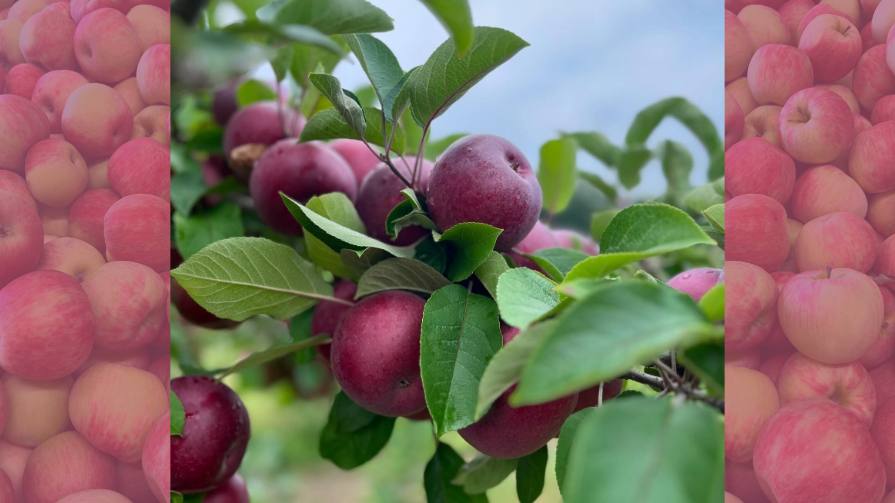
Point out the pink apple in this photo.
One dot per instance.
(850, 386)
(21, 232)
(872, 160)
(153, 25)
(12, 462)
(22, 78)
(886, 263)
(873, 78)
(137, 229)
(22, 124)
(881, 213)
(156, 457)
(751, 306)
(833, 44)
(884, 380)
(52, 91)
(95, 496)
(80, 8)
(56, 173)
(883, 20)
(98, 174)
(755, 166)
(86, 216)
(10, 52)
(39, 346)
(141, 166)
(130, 92)
(107, 46)
(756, 231)
(153, 122)
(96, 120)
(46, 38)
(817, 451)
(738, 47)
(750, 399)
(764, 24)
(883, 110)
(826, 189)
(778, 71)
(37, 410)
(71, 256)
(792, 12)
(838, 239)
(54, 221)
(883, 431)
(764, 122)
(739, 89)
(818, 10)
(816, 126)
(154, 75)
(65, 464)
(772, 365)
(810, 307)
(24, 9)
(845, 93)
(749, 359)
(695, 282)
(884, 348)
(358, 156)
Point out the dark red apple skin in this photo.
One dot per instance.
(301, 171)
(232, 491)
(327, 314)
(215, 435)
(380, 192)
(376, 353)
(485, 178)
(262, 123)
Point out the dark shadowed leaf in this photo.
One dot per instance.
(469, 245)
(483, 473)
(439, 476)
(352, 436)
(330, 125)
(336, 207)
(707, 361)
(198, 230)
(400, 274)
(530, 475)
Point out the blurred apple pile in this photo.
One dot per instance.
(810, 214)
(84, 232)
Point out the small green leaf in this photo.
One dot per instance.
(252, 91)
(603, 186)
(677, 164)
(329, 16)
(617, 327)
(407, 213)
(559, 260)
(460, 333)
(349, 109)
(434, 148)
(557, 173)
(178, 416)
(469, 245)
(715, 215)
(352, 436)
(432, 253)
(288, 33)
(598, 146)
(564, 444)
(506, 366)
(712, 303)
(448, 74)
(701, 198)
(483, 473)
(336, 207)
(198, 230)
(456, 17)
(381, 67)
(238, 278)
(706, 360)
(330, 125)
(670, 451)
(187, 184)
(439, 476)
(631, 163)
(335, 235)
(530, 475)
(490, 270)
(273, 353)
(400, 274)
(524, 296)
(300, 330)
(600, 221)
(638, 232)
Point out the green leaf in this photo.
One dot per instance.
(600, 220)
(252, 91)
(483, 473)
(715, 216)
(598, 146)
(712, 303)
(524, 296)
(456, 17)
(335, 235)
(409, 212)
(438, 479)
(490, 270)
(178, 416)
(187, 184)
(328, 16)
(669, 451)
(349, 109)
(530, 475)
(706, 360)
(400, 274)
(506, 366)
(381, 67)
(273, 353)
(558, 260)
(557, 173)
(238, 278)
(701, 198)
(290, 33)
(431, 253)
(469, 245)
(198, 230)
(581, 288)
(603, 186)
(677, 164)
(447, 75)
(300, 330)
(631, 163)
(605, 334)
(460, 334)
(330, 125)
(336, 207)
(564, 444)
(434, 148)
(352, 435)
(638, 232)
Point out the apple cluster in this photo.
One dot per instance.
(810, 249)
(84, 231)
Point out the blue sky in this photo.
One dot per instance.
(592, 65)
